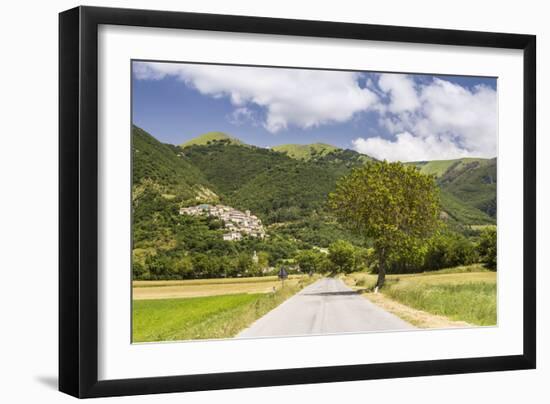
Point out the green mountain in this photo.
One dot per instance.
(230, 166)
(211, 137)
(322, 152)
(281, 189)
(346, 157)
(440, 167)
(290, 182)
(469, 180)
(473, 182)
(271, 184)
(287, 193)
(165, 167)
(461, 213)
(305, 151)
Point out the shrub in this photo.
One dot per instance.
(342, 256)
(487, 248)
(444, 250)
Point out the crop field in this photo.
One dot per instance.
(207, 287)
(466, 294)
(230, 307)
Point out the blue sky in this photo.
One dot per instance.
(389, 116)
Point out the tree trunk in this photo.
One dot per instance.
(381, 270)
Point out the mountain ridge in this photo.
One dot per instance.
(210, 137)
(305, 151)
(288, 195)
(283, 187)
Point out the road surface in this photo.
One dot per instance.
(327, 306)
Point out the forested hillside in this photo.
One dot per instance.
(271, 184)
(287, 191)
(163, 165)
(471, 181)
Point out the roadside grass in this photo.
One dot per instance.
(461, 294)
(460, 270)
(472, 302)
(418, 318)
(210, 317)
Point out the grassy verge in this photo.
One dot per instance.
(418, 318)
(207, 317)
(462, 294)
(473, 302)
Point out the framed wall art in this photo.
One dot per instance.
(250, 201)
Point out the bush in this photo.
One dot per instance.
(309, 261)
(487, 248)
(342, 257)
(449, 250)
(445, 250)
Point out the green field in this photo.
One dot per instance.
(207, 317)
(467, 293)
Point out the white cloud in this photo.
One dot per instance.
(401, 91)
(242, 115)
(434, 120)
(304, 98)
(408, 147)
(446, 121)
(469, 117)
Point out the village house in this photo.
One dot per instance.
(236, 223)
(232, 236)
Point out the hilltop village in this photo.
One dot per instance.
(237, 223)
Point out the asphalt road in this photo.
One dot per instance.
(327, 306)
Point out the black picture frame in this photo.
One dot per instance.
(78, 201)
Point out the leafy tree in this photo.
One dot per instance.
(244, 263)
(393, 204)
(364, 259)
(342, 256)
(443, 250)
(183, 268)
(309, 261)
(263, 262)
(460, 251)
(487, 248)
(138, 270)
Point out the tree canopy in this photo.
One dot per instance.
(342, 256)
(393, 204)
(488, 248)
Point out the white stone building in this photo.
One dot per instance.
(236, 223)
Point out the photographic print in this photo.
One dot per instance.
(282, 201)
